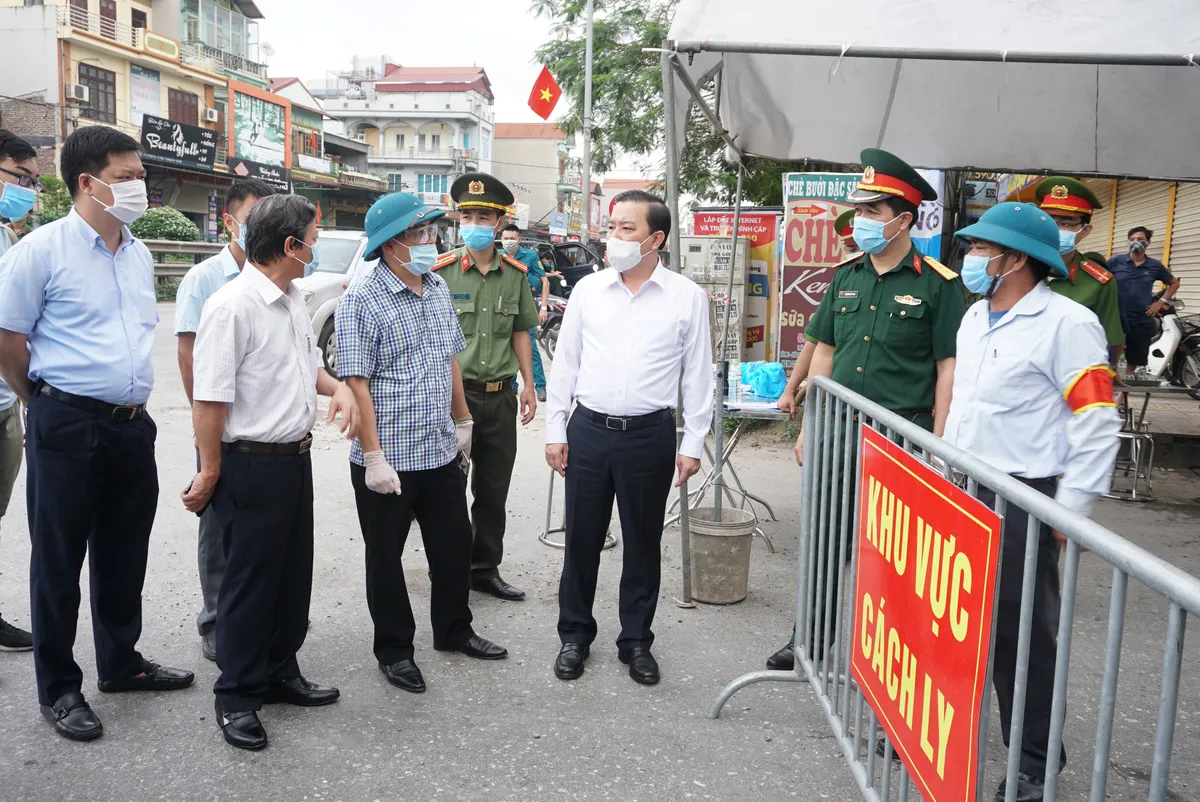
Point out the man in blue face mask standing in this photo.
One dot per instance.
(397, 339)
(496, 311)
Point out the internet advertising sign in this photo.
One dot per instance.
(260, 126)
(762, 230)
(924, 587)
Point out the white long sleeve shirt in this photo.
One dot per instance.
(620, 353)
(1033, 395)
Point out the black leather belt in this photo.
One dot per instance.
(619, 424)
(488, 387)
(908, 413)
(117, 412)
(275, 449)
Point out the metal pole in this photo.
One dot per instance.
(587, 128)
(719, 411)
(672, 145)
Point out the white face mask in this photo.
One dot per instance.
(625, 254)
(510, 246)
(129, 200)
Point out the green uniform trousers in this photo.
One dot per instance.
(493, 453)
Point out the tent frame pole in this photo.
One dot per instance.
(727, 336)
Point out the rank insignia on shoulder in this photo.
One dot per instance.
(518, 265)
(940, 269)
(847, 293)
(908, 300)
(848, 261)
(1095, 271)
(443, 260)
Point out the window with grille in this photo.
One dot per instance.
(183, 107)
(108, 18)
(102, 86)
(395, 182)
(137, 19)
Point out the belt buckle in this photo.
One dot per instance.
(121, 410)
(305, 445)
(493, 387)
(623, 421)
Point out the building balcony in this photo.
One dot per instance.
(402, 105)
(372, 183)
(421, 156)
(73, 20)
(213, 59)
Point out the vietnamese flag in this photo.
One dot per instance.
(545, 94)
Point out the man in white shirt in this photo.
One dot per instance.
(627, 334)
(200, 283)
(1033, 397)
(257, 377)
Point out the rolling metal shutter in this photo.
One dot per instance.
(1098, 239)
(1184, 260)
(1142, 203)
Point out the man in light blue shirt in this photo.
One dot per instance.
(18, 192)
(194, 291)
(77, 318)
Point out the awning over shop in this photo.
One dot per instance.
(1103, 87)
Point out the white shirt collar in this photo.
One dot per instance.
(91, 236)
(229, 265)
(1032, 303)
(656, 277)
(266, 288)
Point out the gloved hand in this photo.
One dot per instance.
(380, 476)
(462, 433)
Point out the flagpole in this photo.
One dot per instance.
(587, 129)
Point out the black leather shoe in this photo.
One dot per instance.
(73, 718)
(478, 647)
(300, 692)
(783, 660)
(643, 668)
(1029, 788)
(495, 586)
(569, 663)
(153, 678)
(242, 730)
(881, 750)
(405, 675)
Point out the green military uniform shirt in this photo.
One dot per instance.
(490, 307)
(890, 330)
(1093, 286)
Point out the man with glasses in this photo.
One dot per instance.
(19, 186)
(397, 340)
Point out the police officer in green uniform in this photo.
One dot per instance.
(887, 326)
(496, 311)
(1089, 282)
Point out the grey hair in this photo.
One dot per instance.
(272, 221)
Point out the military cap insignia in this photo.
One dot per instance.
(475, 188)
(869, 175)
(1059, 192)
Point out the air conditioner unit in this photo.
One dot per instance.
(77, 93)
(212, 116)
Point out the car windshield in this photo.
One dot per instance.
(336, 253)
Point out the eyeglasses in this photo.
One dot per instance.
(1070, 225)
(419, 236)
(23, 180)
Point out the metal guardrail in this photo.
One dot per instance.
(198, 251)
(834, 419)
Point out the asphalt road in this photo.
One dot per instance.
(510, 730)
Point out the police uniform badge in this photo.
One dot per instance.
(475, 188)
(869, 175)
(1059, 192)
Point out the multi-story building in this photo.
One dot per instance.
(534, 160)
(221, 35)
(424, 126)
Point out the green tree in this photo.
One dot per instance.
(56, 201)
(627, 102)
(163, 222)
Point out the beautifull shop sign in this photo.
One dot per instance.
(179, 144)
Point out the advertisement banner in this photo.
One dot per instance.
(924, 587)
(762, 229)
(811, 248)
(259, 128)
(277, 177)
(314, 164)
(179, 144)
(212, 215)
(558, 224)
(145, 94)
(927, 233)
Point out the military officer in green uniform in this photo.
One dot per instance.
(496, 311)
(1089, 282)
(887, 326)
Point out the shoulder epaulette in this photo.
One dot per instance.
(518, 265)
(941, 269)
(849, 261)
(1095, 271)
(445, 259)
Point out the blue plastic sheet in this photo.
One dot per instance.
(766, 379)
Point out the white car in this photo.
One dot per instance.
(341, 260)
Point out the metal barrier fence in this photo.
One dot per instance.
(185, 255)
(834, 416)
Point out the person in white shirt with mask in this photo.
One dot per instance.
(627, 334)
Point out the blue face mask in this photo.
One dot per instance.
(869, 234)
(310, 267)
(421, 259)
(16, 201)
(241, 237)
(478, 237)
(1066, 241)
(975, 276)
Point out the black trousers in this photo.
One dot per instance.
(493, 454)
(91, 487)
(1043, 642)
(636, 468)
(264, 504)
(437, 499)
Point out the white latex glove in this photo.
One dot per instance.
(462, 433)
(380, 476)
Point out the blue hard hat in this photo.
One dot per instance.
(392, 215)
(1024, 228)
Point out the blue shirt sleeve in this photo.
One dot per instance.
(357, 336)
(1164, 275)
(24, 274)
(188, 305)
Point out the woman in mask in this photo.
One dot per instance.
(1033, 397)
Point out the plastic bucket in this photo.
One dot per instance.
(721, 554)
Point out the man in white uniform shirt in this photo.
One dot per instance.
(627, 334)
(1033, 397)
(257, 377)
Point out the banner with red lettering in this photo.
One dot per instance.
(924, 588)
(811, 202)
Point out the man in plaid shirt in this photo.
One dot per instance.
(397, 337)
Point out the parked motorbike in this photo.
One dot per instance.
(548, 331)
(1175, 351)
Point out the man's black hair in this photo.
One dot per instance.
(15, 148)
(899, 206)
(87, 150)
(274, 220)
(512, 227)
(657, 213)
(1149, 234)
(245, 188)
(1041, 270)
